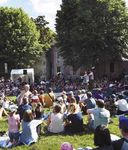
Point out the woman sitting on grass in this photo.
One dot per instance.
(74, 121)
(29, 128)
(55, 121)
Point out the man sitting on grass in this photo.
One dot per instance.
(98, 115)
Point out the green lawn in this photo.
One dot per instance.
(53, 142)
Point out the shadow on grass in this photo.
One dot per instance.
(86, 130)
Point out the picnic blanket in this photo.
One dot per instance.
(4, 142)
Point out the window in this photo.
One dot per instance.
(111, 67)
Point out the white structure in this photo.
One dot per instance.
(26, 75)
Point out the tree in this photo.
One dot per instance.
(99, 31)
(47, 36)
(19, 38)
(65, 22)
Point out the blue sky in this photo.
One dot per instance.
(35, 8)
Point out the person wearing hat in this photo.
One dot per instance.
(98, 115)
(13, 125)
(122, 144)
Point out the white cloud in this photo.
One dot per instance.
(3, 1)
(47, 8)
(126, 2)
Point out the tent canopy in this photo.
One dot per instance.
(27, 74)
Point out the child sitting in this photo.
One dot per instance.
(13, 125)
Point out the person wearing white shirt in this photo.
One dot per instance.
(122, 105)
(55, 121)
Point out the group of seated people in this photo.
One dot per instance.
(103, 140)
(65, 115)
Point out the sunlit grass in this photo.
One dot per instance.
(53, 142)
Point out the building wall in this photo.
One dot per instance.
(52, 63)
(105, 69)
(40, 67)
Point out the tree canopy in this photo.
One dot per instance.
(19, 38)
(91, 31)
(47, 36)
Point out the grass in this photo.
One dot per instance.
(53, 142)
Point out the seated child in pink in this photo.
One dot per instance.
(13, 125)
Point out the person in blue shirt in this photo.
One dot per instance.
(90, 102)
(24, 107)
(29, 133)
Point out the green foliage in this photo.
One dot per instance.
(66, 22)
(19, 44)
(47, 36)
(92, 31)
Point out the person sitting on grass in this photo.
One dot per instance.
(98, 115)
(74, 120)
(39, 114)
(49, 98)
(2, 111)
(24, 107)
(13, 125)
(122, 105)
(29, 133)
(122, 144)
(55, 122)
(102, 138)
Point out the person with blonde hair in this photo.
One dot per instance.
(74, 121)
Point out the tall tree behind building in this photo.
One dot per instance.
(89, 31)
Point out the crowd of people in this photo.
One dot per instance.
(76, 100)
